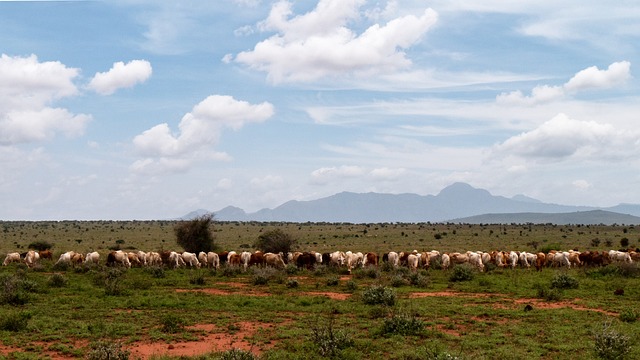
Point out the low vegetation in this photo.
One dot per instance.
(99, 312)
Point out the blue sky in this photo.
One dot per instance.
(141, 109)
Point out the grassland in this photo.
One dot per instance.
(513, 314)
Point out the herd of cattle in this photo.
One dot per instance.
(413, 260)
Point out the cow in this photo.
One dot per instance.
(234, 259)
(31, 259)
(92, 258)
(337, 258)
(11, 257)
(154, 258)
(190, 259)
(142, 257)
(245, 256)
(393, 258)
(118, 257)
(134, 259)
(619, 256)
(541, 259)
(370, 259)
(46, 254)
(274, 260)
(213, 260)
(66, 258)
(257, 258)
(445, 261)
(306, 260)
(202, 257)
(413, 261)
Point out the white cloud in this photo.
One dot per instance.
(318, 44)
(326, 175)
(590, 78)
(563, 137)
(387, 174)
(27, 89)
(200, 130)
(267, 182)
(581, 184)
(120, 76)
(594, 78)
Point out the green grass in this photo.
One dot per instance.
(485, 320)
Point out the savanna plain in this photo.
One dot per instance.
(100, 312)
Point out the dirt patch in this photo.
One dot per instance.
(511, 303)
(45, 352)
(212, 291)
(214, 339)
(331, 295)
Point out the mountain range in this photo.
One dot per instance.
(458, 203)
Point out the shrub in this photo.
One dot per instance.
(351, 285)
(196, 235)
(14, 289)
(230, 270)
(419, 280)
(57, 280)
(275, 241)
(171, 323)
(564, 281)
(402, 325)
(155, 271)
(369, 272)
(553, 294)
(628, 315)
(379, 295)
(291, 269)
(463, 272)
(292, 283)
(40, 245)
(610, 344)
(329, 342)
(262, 276)
(107, 350)
(15, 321)
(333, 281)
(398, 281)
(197, 278)
(236, 354)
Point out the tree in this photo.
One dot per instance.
(196, 235)
(275, 241)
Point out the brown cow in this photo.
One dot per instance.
(370, 259)
(305, 259)
(257, 258)
(46, 254)
(234, 260)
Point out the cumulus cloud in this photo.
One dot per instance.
(27, 89)
(120, 76)
(590, 78)
(563, 137)
(199, 131)
(317, 44)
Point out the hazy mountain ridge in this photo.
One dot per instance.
(458, 202)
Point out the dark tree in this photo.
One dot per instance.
(624, 242)
(196, 235)
(275, 241)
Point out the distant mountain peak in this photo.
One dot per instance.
(526, 199)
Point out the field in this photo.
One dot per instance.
(87, 312)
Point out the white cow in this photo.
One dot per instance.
(176, 260)
(202, 257)
(393, 258)
(92, 258)
(190, 259)
(31, 258)
(213, 260)
(412, 261)
(11, 257)
(337, 258)
(153, 258)
(245, 257)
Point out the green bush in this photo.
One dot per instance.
(564, 281)
(548, 294)
(379, 295)
(398, 281)
(15, 321)
(57, 280)
(329, 341)
(462, 272)
(402, 325)
(275, 241)
(628, 315)
(156, 271)
(171, 323)
(369, 272)
(107, 350)
(262, 276)
(292, 283)
(197, 278)
(40, 245)
(14, 289)
(609, 344)
(351, 285)
(235, 354)
(333, 281)
(196, 235)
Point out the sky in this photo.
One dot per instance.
(146, 109)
